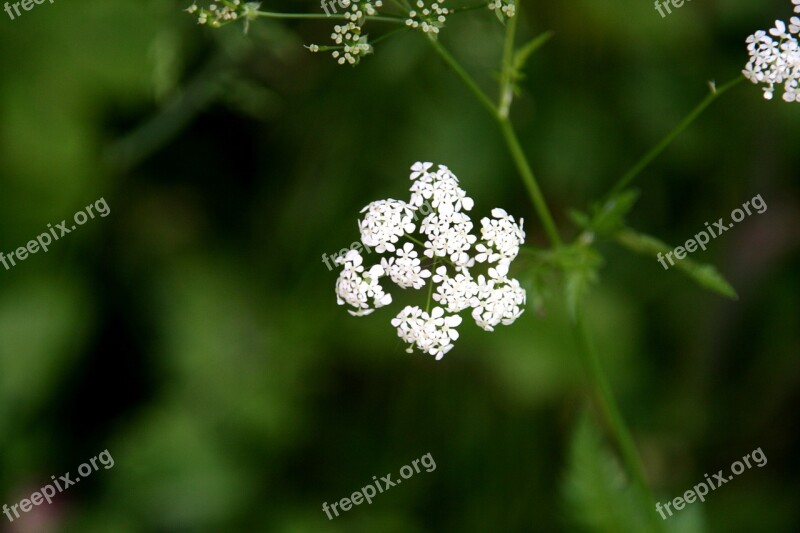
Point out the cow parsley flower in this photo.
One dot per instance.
(222, 12)
(498, 300)
(775, 58)
(433, 334)
(503, 8)
(356, 287)
(428, 18)
(471, 272)
(384, 223)
(454, 293)
(350, 43)
(353, 44)
(503, 237)
(405, 269)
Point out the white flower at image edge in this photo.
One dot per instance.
(775, 58)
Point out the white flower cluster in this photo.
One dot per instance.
(503, 8)
(353, 44)
(350, 44)
(356, 287)
(775, 58)
(222, 12)
(448, 247)
(428, 19)
(384, 223)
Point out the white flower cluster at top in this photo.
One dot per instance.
(429, 18)
(775, 58)
(448, 247)
(222, 12)
(503, 8)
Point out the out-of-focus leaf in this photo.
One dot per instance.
(172, 472)
(581, 219)
(705, 275)
(43, 321)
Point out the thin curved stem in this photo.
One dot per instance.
(506, 95)
(605, 402)
(654, 152)
(430, 288)
(321, 16)
(469, 8)
(529, 179)
(465, 77)
(389, 34)
(510, 137)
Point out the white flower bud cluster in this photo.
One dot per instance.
(353, 44)
(503, 8)
(443, 242)
(429, 19)
(222, 12)
(775, 58)
(350, 44)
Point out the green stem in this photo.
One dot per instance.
(321, 16)
(465, 77)
(430, 287)
(388, 34)
(154, 133)
(654, 152)
(414, 240)
(469, 8)
(507, 74)
(529, 179)
(605, 402)
(510, 136)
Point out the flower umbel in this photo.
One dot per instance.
(443, 243)
(503, 8)
(775, 58)
(428, 18)
(222, 12)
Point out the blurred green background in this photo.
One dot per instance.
(194, 332)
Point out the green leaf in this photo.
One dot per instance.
(580, 264)
(705, 275)
(522, 54)
(609, 216)
(581, 219)
(597, 493)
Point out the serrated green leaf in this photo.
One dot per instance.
(609, 216)
(597, 494)
(703, 274)
(580, 264)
